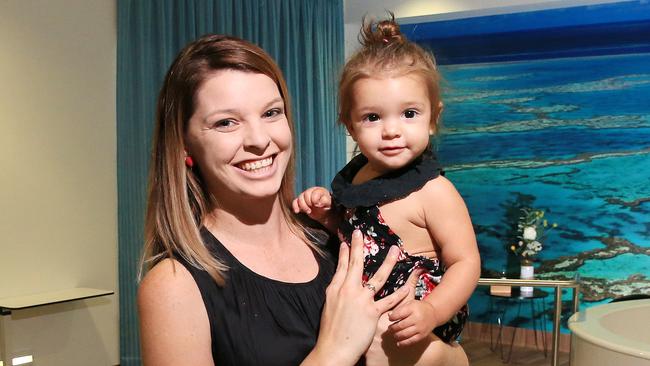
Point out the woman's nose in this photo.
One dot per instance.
(257, 137)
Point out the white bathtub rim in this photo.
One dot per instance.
(592, 332)
(616, 348)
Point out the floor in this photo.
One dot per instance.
(479, 354)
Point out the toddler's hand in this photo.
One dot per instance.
(413, 321)
(315, 202)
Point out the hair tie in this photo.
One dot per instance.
(385, 39)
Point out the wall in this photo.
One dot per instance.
(438, 10)
(453, 9)
(58, 180)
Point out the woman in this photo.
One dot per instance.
(233, 277)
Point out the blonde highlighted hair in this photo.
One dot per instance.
(386, 52)
(178, 200)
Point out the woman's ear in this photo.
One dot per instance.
(189, 162)
(435, 118)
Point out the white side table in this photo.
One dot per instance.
(9, 304)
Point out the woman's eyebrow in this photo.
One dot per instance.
(274, 101)
(236, 111)
(219, 111)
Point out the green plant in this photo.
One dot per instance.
(532, 228)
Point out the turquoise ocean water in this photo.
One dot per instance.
(571, 134)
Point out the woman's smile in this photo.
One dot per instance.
(260, 168)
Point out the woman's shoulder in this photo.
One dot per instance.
(166, 281)
(173, 319)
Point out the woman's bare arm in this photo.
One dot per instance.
(174, 325)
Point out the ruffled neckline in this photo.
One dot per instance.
(385, 188)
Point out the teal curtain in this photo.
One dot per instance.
(304, 37)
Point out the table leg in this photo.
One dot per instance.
(3, 346)
(493, 343)
(557, 313)
(512, 341)
(533, 310)
(500, 315)
(543, 327)
(576, 305)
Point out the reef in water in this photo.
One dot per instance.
(594, 288)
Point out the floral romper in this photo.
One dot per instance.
(360, 206)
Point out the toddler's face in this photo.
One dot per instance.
(391, 120)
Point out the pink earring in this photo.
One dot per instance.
(189, 162)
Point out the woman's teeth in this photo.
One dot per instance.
(257, 164)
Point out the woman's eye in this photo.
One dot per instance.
(224, 124)
(272, 112)
(410, 113)
(372, 117)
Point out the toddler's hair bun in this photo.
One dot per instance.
(382, 33)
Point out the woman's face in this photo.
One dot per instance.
(239, 135)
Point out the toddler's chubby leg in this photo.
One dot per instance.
(430, 352)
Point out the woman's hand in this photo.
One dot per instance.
(350, 315)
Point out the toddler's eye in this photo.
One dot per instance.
(372, 117)
(410, 113)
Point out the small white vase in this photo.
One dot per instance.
(527, 272)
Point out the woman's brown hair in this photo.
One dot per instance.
(386, 52)
(178, 200)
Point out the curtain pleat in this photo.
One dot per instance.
(306, 40)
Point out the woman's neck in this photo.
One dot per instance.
(251, 221)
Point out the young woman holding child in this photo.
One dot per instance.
(232, 277)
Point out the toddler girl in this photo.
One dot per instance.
(394, 191)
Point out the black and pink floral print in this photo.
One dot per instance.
(377, 240)
(360, 207)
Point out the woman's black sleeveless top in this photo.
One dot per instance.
(255, 320)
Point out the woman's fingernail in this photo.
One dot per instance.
(394, 250)
(356, 233)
